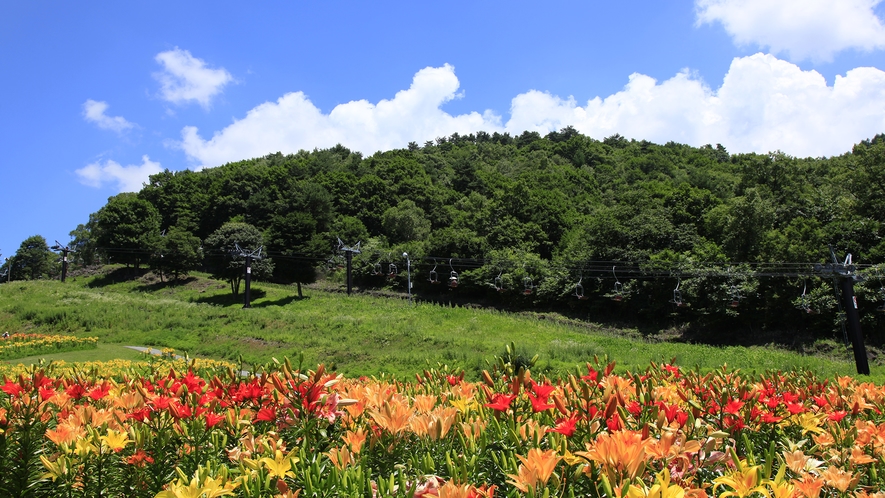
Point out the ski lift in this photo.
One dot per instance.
(804, 304)
(434, 277)
(619, 288)
(391, 270)
(528, 285)
(735, 297)
(499, 283)
(376, 269)
(677, 295)
(332, 264)
(579, 290)
(734, 293)
(453, 276)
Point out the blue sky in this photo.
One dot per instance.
(97, 95)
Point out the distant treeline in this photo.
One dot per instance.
(525, 219)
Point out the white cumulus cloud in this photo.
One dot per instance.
(125, 178)
(763, 104)
(186, 78)
(803, 29)
(94, 112)
(293, 122)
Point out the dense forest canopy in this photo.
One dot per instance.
(533, 220)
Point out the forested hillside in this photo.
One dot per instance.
(608, 230)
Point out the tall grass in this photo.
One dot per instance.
(357, 335)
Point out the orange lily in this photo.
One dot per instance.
(535, 468)
(809, 486)
(393, 415)
(621, 454)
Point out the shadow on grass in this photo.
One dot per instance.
(229, 299)
(280, 302)
(116, 276)
(160, 285)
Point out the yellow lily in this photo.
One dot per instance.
(660, 489)
(56, 469)
(781, 487)
(114, 440)
(281, 465)
(744, 481)
(211, 488)
(84, 447)
(178, 490)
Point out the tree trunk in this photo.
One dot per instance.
(299, 289)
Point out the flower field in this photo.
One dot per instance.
(21, 345)
(176, 430)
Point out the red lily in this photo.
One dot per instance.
(540, 404)
(501, 402)
(565, 426)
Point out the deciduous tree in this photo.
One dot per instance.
(126, 227)
(176, 254)
(226, 263)
(33, 260)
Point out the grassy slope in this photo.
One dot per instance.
(357, 335)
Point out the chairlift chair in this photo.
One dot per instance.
(677, 295)
(579, 289)
(434, 277)
(376, 269)
(453, 279)
(391, 270)
(677, 298)
(619, 288)
(804, 304)
(619, 292)
(453, 276)
(579, 292)
(529, 286)
(499, 283)
(735, 297)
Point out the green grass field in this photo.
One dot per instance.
(356, 335)
(103, 352)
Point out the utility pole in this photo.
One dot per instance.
(408, 275)
(64, 258)
(248, 293)
(845, 275)
(349, 252)
(256, 254)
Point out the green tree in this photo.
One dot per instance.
(126, 227)
(33, 260)
(176, 254)
(181, 198)
(83, 243)
(298, 231)
(225, 263)
(349, 229)
(405, 222)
